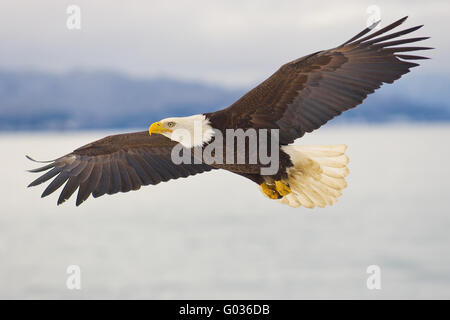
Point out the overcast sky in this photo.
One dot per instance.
(230, 42)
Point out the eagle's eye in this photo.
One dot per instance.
(171, 124)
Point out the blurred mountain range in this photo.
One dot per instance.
(99, 100)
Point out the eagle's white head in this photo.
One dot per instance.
(190, 131)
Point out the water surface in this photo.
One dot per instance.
(215, 236)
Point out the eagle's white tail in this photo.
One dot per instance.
(318, 175)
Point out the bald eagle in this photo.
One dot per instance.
(298, 98)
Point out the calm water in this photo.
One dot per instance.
(215, 235)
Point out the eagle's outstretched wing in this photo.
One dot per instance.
(305, 93)
(117, 163)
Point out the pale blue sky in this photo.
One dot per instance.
(227, 42)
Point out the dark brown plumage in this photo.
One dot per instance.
(300, 97)
(118, 163)
(306, 93)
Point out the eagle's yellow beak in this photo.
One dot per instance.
(157, 127)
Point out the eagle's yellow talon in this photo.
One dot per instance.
(282, 188)
(269, 191)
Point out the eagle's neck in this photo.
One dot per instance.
(194, 131)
